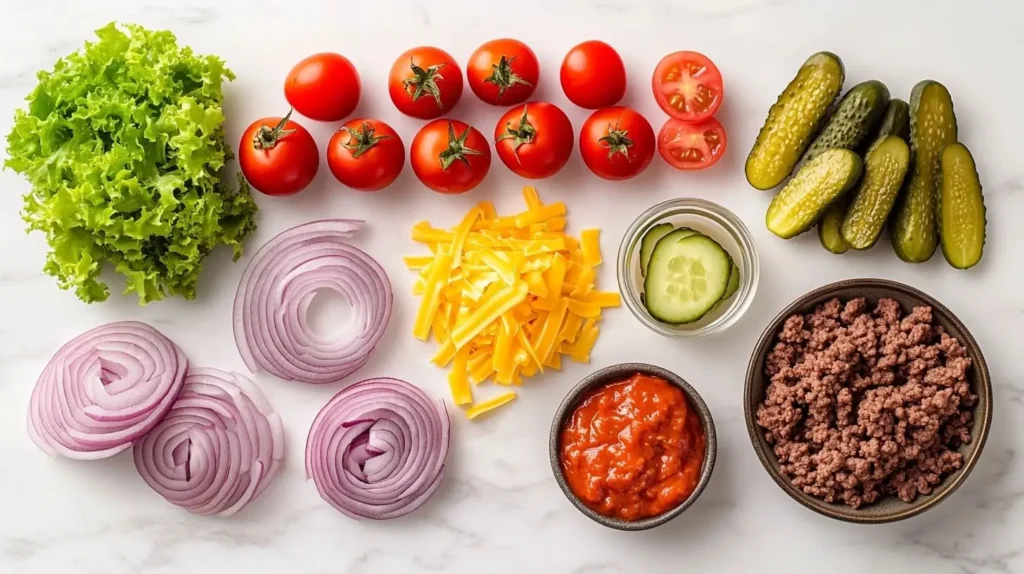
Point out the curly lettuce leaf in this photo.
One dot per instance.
(123, 144)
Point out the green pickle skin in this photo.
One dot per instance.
(818, 184)
(961, 207)
(857, 114)
(932, 127)
(794, 119)
(828, 228)
(885, 168)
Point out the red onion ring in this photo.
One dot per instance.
(377, 450)
(105, 389)
(279, 284)
(218, 447)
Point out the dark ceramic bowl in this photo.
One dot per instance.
(890, 508)
(614, 374)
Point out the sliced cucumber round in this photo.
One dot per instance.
(649, 240)
(686, 277)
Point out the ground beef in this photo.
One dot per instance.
(864, 404)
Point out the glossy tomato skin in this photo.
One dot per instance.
(688, 86)
(366, 155)
(460, 176)
(593, 75)
(617, 143)
(691, 146)
(441, 86)
(503, 72)
(323, 87)
(544, 142)
(284, 168)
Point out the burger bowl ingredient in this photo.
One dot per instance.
(895, 122)
(649, 240)
(273, 298)
(218, 447)
(866, 403)
(794, 120)
(506, 296)
(857, 114)
(633, 449)
(377, 450)
(104, 390)
(593, 75)
(961, 207)
(688, 86)
(688, 274)
(828, 228)
(817, 185)
(124, 159)
(617, 143)
(449, 156)
(691, 146)
(425, 83)
(278, 156)
(534, 140)
(366, 155)
(932, 128)
(885, 168)
(323, 87)
(503, 72)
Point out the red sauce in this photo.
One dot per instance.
(633, 449)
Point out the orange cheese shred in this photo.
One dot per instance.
(506, 297)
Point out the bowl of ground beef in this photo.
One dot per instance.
(868, 401)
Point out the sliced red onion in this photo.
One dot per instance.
(277, 288)
(104, 390)
(377, 450)
(218, 447)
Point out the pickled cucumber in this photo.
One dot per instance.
(895, 122)
(932, 127)
(794, 119)
(828, 228)
(816, 186)
(858, 113)
(961, 207)
(885, 167)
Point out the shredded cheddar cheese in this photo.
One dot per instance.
(506, 296)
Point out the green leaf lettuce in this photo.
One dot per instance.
(123, 144)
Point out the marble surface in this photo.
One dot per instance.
(500, 510)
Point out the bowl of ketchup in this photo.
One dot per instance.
(632, 446)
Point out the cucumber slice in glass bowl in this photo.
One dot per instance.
(687, 268)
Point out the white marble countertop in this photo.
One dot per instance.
(500, 510)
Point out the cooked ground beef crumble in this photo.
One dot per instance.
(864, 404)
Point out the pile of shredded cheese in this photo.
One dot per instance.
(505, 297)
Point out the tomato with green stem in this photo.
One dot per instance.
(278, 156)
(503, 72)
(691, 146)
(688, 86)
(617, 143)
(425, 83)
(323, 87)
(534, 140)
(366, 155)
(449, 156)
(593, 75)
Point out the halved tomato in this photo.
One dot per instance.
(692, 145)
(688, 86)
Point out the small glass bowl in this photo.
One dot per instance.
(717, 223)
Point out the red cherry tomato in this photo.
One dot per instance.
(688, 86)
(449, 156)
(593, 75)
(617, 143)
(366, 155)
(323, 87)
(278, 156)
(503, 72)
(692, 145)
(425, 83)
(534, 140)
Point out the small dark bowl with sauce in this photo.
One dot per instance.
(608, 376)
